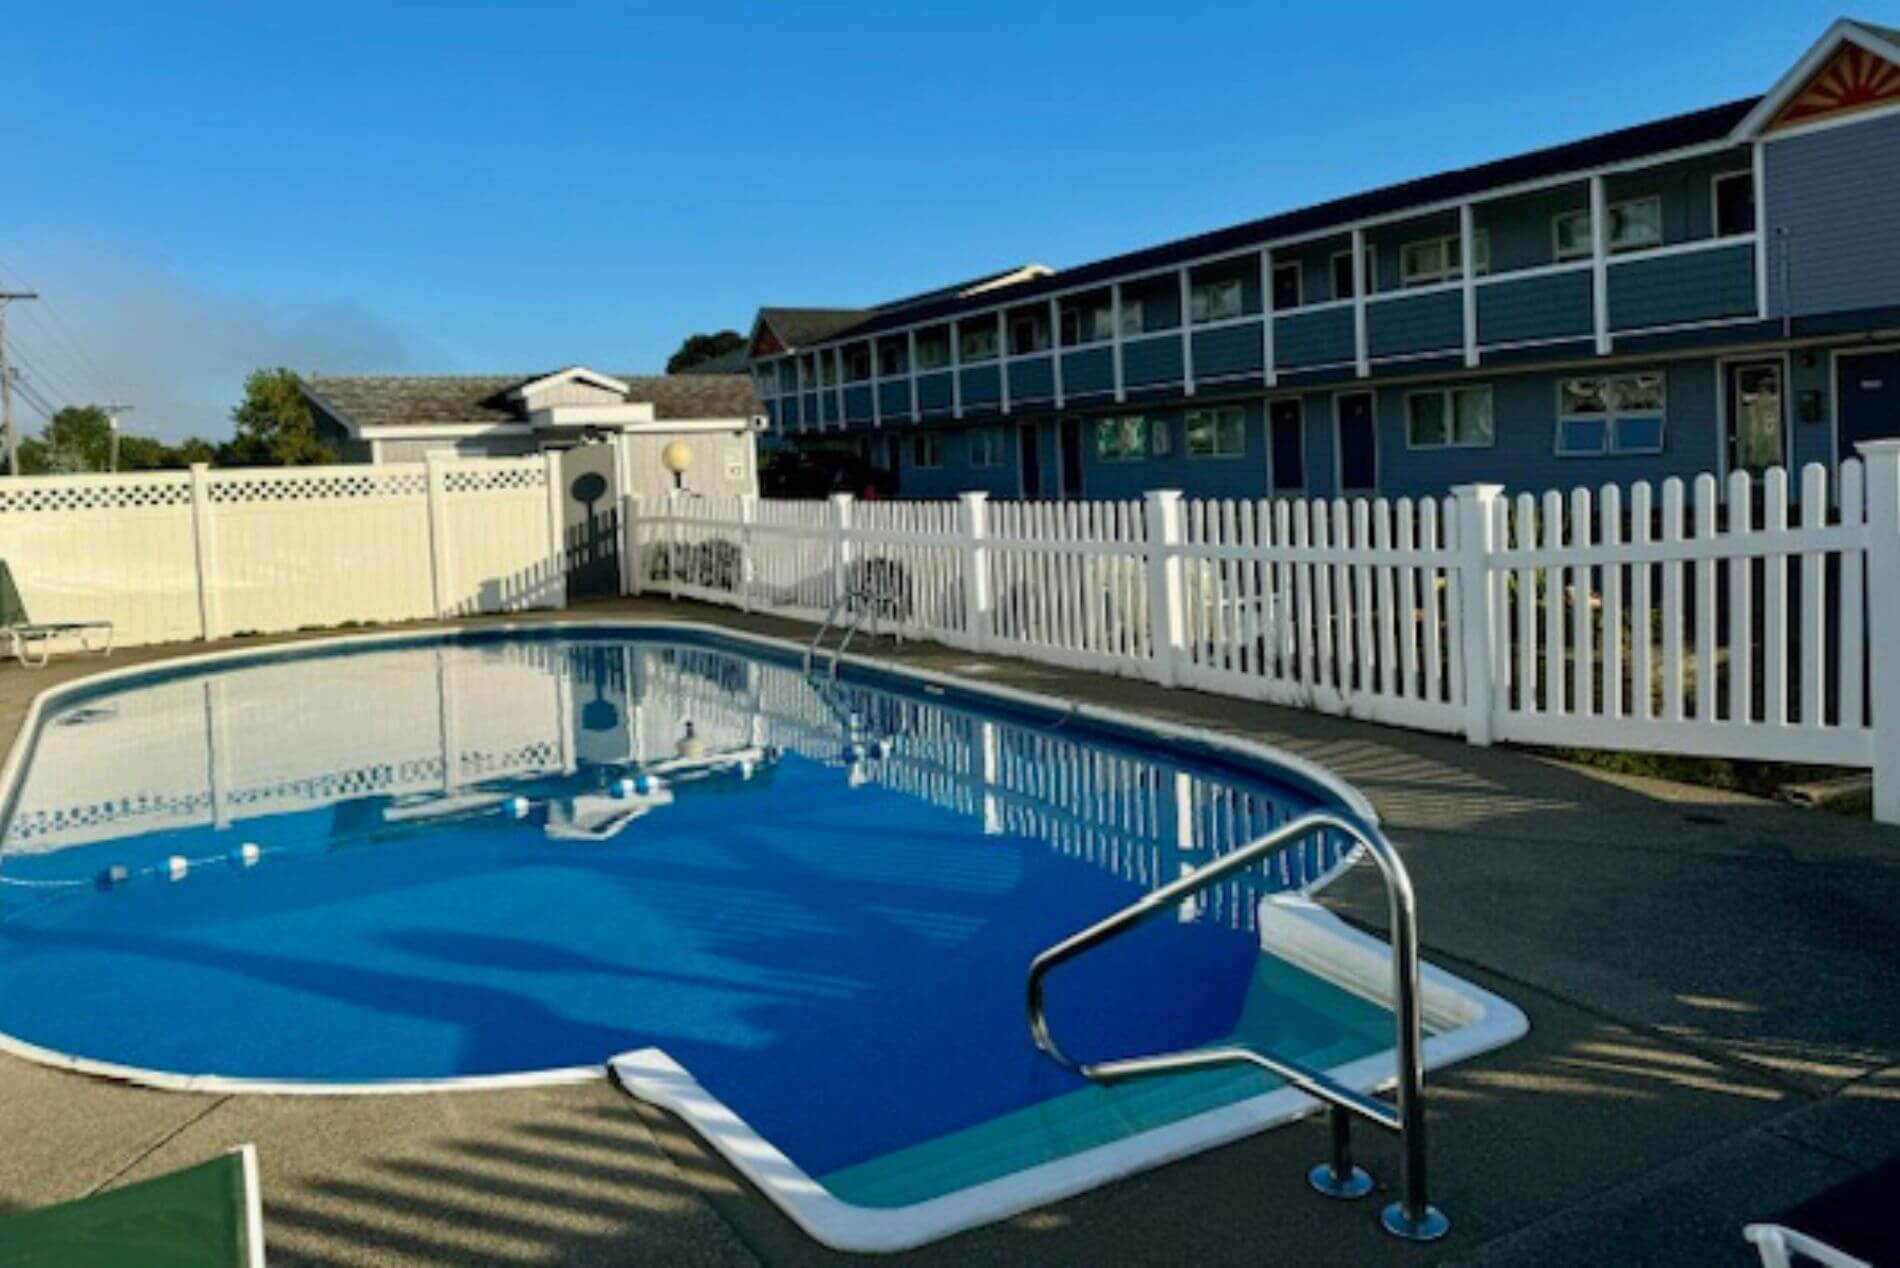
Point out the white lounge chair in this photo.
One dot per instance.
(26, 636)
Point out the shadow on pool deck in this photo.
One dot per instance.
(1715, 1035)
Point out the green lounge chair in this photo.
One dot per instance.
(207, 1216)
(25, 636)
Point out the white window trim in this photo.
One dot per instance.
(980, 333)
(1557, 253)
(1610, 418)
(1450, 417)
(931, 441)
(1447, 273)
(1715, 202)
(927, 366)
(1140, 450)
(1187, 433)
(1195, 290)
(992, 450)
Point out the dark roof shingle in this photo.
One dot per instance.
(422, 400)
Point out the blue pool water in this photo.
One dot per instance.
(820, 900)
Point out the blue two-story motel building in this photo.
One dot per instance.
(1713, 291)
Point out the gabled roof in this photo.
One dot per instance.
(1845, 34)
(449, 400)
(573, 374)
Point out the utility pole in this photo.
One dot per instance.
(112, 413)
(6, 382)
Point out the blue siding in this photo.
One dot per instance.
(1229, 350)
(1033, 380)
(1305, 338)
(1698, 286)
(982, 385)
(894, 400)
(857, 404)
(1546, 307)
(1834, 245)
(812, 412)
(1242, 476)
(1088, 370)
(956, 475)
(1417, 323)
(1146, 362)
(934, 391)
(1524, 459)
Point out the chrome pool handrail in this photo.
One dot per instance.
(1413, 1216)
(867, 601)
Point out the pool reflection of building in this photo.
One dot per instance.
(214, 753)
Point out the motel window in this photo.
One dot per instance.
(978, 343)
(857, 364)
(986, 447)
(933, 353)
(1122, 439)
(1633, 225)
(1026, 334)
(1215, 301)
(1087, 323)
(1734, 197)
(1286, 286)
(1133, 320)
(1442, 259)
(1342, 274)
(926, 451)
(1449, 418)
(1217, 433)
(1610, 414)
(890, 360)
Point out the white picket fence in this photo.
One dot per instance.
(206, 553)
(1700, 618)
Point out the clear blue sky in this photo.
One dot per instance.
(484, 187)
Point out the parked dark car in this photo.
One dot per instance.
(820, 473)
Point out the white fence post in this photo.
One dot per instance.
(632, 573)
(973, 531)
(1165, 614)
(438, 507)
(205, 552)
(1477, 607)
(748, 513)
(1883, 616)
(557, 530)
(840, 544)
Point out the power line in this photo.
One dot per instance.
(73, 346)
(47, 381)
(7, 299)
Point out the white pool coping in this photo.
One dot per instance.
(1467, 1019)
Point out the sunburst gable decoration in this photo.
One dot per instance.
(1853, 79)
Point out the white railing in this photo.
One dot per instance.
(207, 553)
(1694, 619)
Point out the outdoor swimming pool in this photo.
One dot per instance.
(799, 912)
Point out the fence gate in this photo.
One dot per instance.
(591, 503)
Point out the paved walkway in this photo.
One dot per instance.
(1715, 1035)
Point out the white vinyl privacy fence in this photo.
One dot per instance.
(207, 553)
(1711, 618)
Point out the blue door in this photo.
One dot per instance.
(1867, 390)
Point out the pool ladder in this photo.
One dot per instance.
(1412, 1217)
(849, 611)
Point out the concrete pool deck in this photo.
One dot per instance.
(1710, 980)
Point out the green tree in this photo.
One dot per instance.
(274, 425)
(77, 438)
(703, 347)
